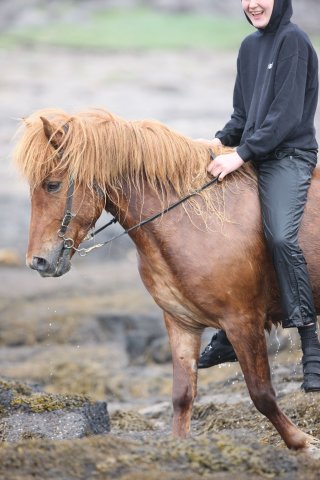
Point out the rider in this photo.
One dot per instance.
(275, 99)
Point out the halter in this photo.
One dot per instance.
(68, 243)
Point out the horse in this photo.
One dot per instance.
(205, 263)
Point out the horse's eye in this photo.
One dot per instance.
(52, 187)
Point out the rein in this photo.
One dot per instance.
(68, 243)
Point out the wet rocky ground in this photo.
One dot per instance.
(96, 332)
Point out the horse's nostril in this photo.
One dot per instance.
(40, 264)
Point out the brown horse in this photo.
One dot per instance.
(204, 263)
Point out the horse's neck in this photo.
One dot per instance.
(131, 206)
(119, 204)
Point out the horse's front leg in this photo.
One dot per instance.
(185, 348)
(249, 342)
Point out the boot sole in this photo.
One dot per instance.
(219, 362)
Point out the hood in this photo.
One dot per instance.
(281, 14)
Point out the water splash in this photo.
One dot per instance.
(48, 344)
(277, 340)
(275, 356)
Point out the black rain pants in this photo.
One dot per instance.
(284, 180)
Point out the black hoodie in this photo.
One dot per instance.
(276, 90)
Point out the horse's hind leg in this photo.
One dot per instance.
(185, 348)
(250, 346)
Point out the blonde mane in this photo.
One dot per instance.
(103, 149)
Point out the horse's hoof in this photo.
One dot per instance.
(312, 448)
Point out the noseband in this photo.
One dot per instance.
(68, 243)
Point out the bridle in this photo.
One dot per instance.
(67, 217)
(68, 242)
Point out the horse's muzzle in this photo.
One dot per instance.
(53, 265)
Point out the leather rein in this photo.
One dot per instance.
(68, 242)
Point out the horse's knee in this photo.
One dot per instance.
(264, 400)
(182, 398)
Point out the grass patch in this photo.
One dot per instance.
(135, 29)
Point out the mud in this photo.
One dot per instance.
(96, 332)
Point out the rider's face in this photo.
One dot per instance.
(258, 11)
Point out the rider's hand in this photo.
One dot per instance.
(224, 164)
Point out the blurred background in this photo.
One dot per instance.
(93, 330)
(172, 60)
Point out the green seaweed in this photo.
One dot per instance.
(45, 402)
(130, 421)
(17, 387)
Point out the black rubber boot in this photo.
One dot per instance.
(219, 350)
(311, 358)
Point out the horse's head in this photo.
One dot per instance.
(108, 161)
(62, 213)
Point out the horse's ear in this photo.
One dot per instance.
(54, 136)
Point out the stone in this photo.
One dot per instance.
(9, 257)
(137, 331)
(26, 413)
(160, 351)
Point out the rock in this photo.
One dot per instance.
(26, 413)
(138, 331)
(155, 411)
(159, 351)
(9, 257)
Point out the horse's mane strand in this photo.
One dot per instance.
(99, 148)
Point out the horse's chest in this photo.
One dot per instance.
(167, 293)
